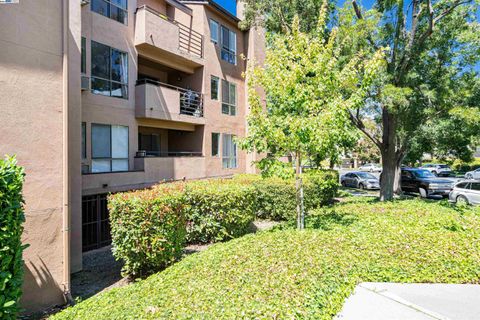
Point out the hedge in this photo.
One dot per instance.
(275, 198)
(148, 230)
(218, 210)
(11, 228)
(290, 274)
(150, 227)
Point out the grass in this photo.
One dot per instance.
(290, 274)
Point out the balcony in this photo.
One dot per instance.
(176, 167)
(161, 101)
(166, 41)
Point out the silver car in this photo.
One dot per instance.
(361, 180)
(466, 192)
(371, 167)
(475, 174)
(440, 170)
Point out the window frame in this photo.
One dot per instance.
(110, 4)
(110, 81)
(229, 156)
(84, 140)
(217, 145)
(217, 96)
(232, 107)
(83, 63)
(230, 51)
(215, 41)
(111, 159)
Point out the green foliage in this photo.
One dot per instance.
(218, 210)
(287, 274)
(275, 198)
(462, 166)
(11, 228)
(148, 228)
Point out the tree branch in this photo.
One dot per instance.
(361, 126)
(359, 15)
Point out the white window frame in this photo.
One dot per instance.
(227, 103)
(231, 51)
(229, 151)
(216, 38)
(111, 159)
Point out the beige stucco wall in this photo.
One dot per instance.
(31, 87)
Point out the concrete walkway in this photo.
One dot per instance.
(392, 301)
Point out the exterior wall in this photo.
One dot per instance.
(43, 108)
(34, 125)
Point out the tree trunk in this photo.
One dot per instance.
(299, 193)
(389, 157)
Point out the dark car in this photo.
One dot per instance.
(425, 183)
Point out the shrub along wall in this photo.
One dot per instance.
(11, 228)
(150, 227)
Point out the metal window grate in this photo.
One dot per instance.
(95, 222)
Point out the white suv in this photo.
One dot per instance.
(438, 169)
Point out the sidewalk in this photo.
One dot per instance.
(391, 301)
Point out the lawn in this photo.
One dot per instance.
(290, 274)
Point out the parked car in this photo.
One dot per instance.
(441, 170)
(371, 167)
(422, 181)
(475, 174)
(466, 192)
(361, 180)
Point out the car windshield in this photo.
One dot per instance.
(365, 175)
(443, 166)
(423, 174)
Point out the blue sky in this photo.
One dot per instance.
(230, 5)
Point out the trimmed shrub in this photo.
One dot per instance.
(275, 198)
(11, 228)
(148, 228)
(218, 210)
(463, 167)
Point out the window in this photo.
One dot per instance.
(229, 151)
(214, 31)
(109, 148)
(215, 144)
(475, 186)
(214, 84)
(83, 69)
(463, 185)
(150, 143)
(113, 9)
(229, 45)
(109, 71)
(84, 140)
(229, 98)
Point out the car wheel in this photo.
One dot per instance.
(423, 192)
(343, 184)
(435, 173)
(469, 176)
(462, 201)
(361, 186)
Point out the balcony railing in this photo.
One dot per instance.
(188, 39)
(191, 102)
(166, 154)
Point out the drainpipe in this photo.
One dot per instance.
(66, 173)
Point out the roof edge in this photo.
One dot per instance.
(214, 5)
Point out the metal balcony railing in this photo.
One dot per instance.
(191, 102)
(189, 40)
(165, 154)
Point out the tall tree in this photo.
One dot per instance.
(432, 47)
(307, 99)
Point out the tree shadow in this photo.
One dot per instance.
(329, 220)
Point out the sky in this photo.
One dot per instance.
(229, 5)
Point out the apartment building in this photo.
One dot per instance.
(102, 96)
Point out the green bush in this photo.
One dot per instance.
(11, 228)
(463, 167)
(290, 274)
(275, 198)
(218, 210)
(148, 228)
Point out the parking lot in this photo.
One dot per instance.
(376, 193)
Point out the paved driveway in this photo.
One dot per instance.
(393, 301)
